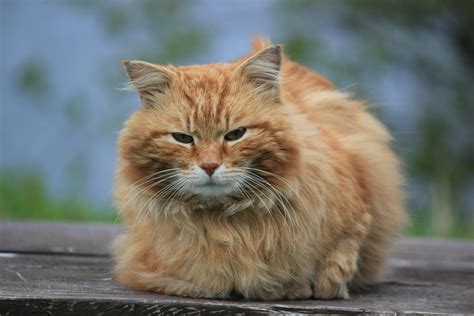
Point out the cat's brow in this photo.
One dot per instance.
(155, 133)
(263, 125)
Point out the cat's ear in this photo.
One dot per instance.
(148, 79)
(262, 70)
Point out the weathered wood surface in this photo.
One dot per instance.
(54, 268)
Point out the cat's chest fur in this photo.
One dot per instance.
(244, 253)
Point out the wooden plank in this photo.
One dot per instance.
(458, 254)
(57, 237)
(56, 282)
(429, 276)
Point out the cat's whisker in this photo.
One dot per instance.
(175, 194)
(165, 191)
(172, 189)
(140, 211)
(155, 174)
(253, 189)
(153, 199)
(290, 214)
(151, 177)
(271, 213)
(278, 196)
(280, 178)
(287, 182)
(238, 186)
(272, 194)
(141, 191)
(136, 191)
(182, 189)
(238, 178)
(172, 186)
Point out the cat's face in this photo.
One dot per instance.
(210, 131)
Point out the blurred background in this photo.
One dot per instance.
(61, 107)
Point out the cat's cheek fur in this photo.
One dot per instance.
(152, 152)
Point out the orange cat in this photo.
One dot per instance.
(255, 178)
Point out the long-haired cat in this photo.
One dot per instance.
(256, 178)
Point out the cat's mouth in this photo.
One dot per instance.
(211, 184)
(212, 188)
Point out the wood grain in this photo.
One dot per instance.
(57, 268)
(60, 238)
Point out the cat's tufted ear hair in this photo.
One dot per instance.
(263, 69)
(148, 79)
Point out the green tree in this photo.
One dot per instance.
(402, 35)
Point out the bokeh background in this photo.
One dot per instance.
(62, 107)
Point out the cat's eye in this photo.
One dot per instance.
(183, 138)
(235, 134)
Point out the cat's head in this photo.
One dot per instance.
(211, 131)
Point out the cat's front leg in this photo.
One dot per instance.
(336, 271)
(299, 291)
(168, 285)
(165, 284)
(142, 269)
(340, 265)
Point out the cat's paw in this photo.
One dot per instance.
(299, 292)
(325, 289)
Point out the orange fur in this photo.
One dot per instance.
(321, 212)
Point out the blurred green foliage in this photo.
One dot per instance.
(74, 110)
(171, 31)
(33, 79)
(423, 226)
(23, 195)
(366, 39)
(402, 36)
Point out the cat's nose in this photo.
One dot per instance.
(209, 167)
